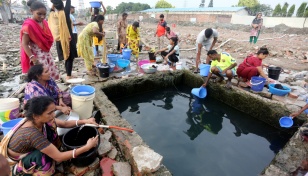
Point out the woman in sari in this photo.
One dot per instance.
(40, 84)
(36, 40)
(84, 45)
(133, 37)
(31, 147)
(122, 26)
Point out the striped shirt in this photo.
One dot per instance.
(27, 139)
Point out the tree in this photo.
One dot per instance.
(291, 11)
(306, 12)
(277, 11)
(128, 7)
(109, 9)
(301, 10)
(163, 4)
(202, 4)
(247, 3)
(284, 9)
(210, 4)
(263, 8)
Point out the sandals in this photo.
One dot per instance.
(197, 70)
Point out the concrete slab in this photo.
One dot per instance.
(146, 159)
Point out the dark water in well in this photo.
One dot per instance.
(201, 137)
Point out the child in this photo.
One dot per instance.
(173, 51)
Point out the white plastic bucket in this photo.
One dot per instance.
(179, 66)
(83, 105)
(9, 109)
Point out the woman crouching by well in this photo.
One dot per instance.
(32, 146)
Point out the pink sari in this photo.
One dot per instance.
(41, 41)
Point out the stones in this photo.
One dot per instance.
(121, 169)
(146, 159)
(113, 153)
(105, 146)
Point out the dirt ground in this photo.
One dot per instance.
(286, 50)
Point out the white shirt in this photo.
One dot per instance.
(176, 48)
(205, 41)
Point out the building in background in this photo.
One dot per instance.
(81, 4)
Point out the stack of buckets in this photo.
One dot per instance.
(9, 112)
(82, 100)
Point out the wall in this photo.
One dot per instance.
(270, 21)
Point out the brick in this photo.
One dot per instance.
(79, 171)
(122, 169)
(106, 164)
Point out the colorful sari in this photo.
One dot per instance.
(33, 163)
(51, 89)
(133, 40)
(41, 41)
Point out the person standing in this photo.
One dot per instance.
(85, 40)
(61, 28)
(133, 38)
(205, 38)
(97, 40)
(122, 26)
(36, 40)
(256, 25)
(161, 31)
(75, 24)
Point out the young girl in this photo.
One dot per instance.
(173, 53)
(252, 66)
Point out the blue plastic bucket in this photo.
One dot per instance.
(257, 83)
(83, 90)
(286, 122)
(7, 126)
(126, 53)
(112, 58)
(204, 69)
(199, 92)
(95, 4)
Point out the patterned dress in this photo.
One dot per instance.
(84, 45)
(133, 40)
(46, 59)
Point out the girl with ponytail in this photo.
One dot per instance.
(171, 53)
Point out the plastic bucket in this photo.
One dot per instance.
(204, 69)
(112, 58)
(274, 72)
(104, 70)
(82, 100)
(286, 122)
(9, 109)
(199, 92)
(95, 4)
(141, 62)
(126, 53)
(76, 138)
(152, 57)
(179, 66)
(7, 126)
(257, 83)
